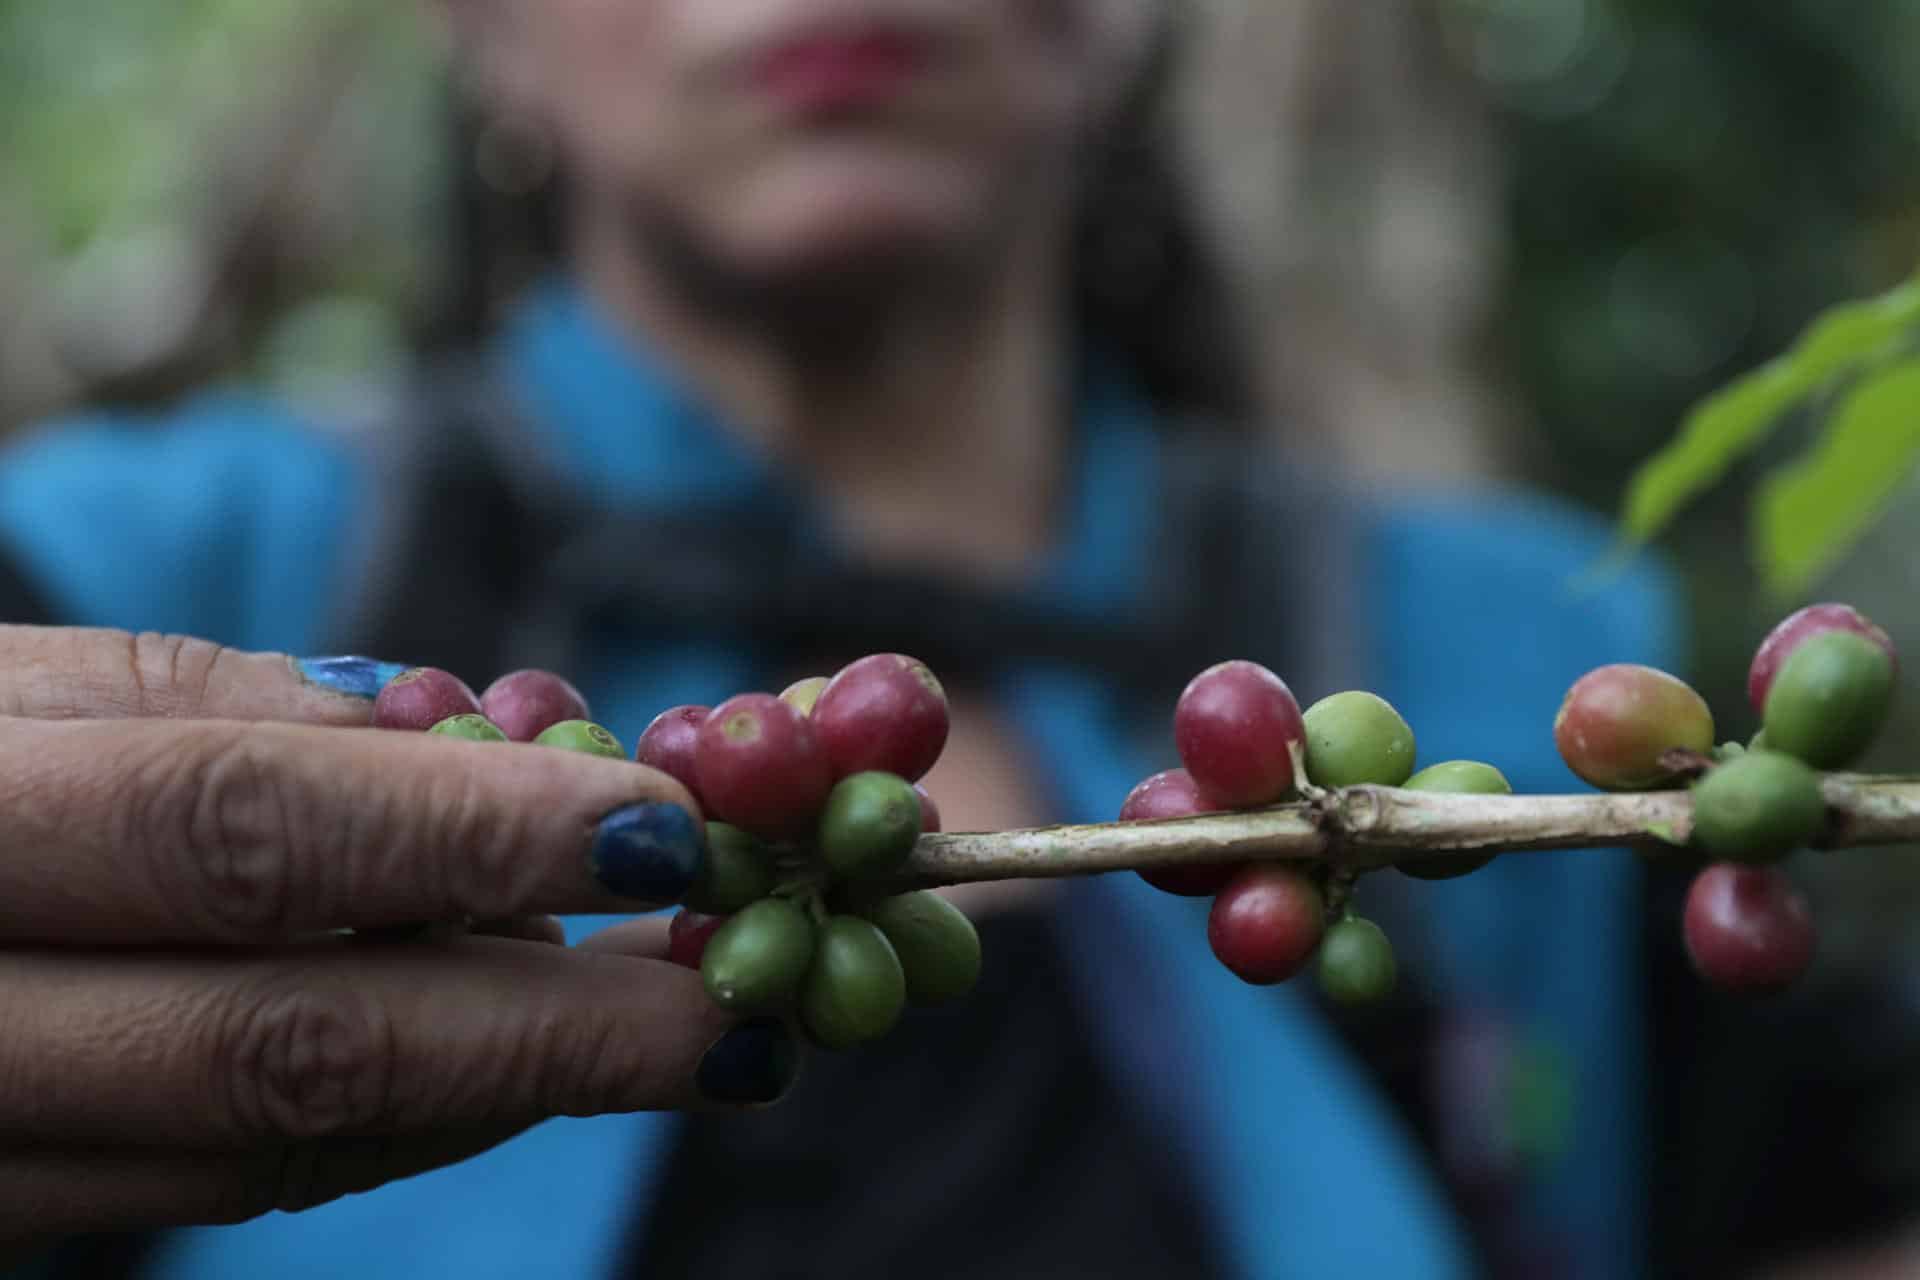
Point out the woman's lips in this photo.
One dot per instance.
(839, 71)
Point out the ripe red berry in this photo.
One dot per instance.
(526, 704)
(687, 937)
(668, 745)
(1266, 924)
(1748, 928)
(761, 767)
(929, 811)
(1174, 794)
(421, 698)
(886, 713)
(1618, 721)
(1234, 725)
(1804, 625)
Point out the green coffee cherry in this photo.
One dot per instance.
(869, 825)
(1758, 808)
(738, 872)
(583, 736)
(855, 990)
(938, 946)
(1357, 737)
(1728, 751)
(1455, 777)
(1829, 699)
(1356, 963)
(756, 961)
(471, 726)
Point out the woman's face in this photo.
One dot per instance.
(784, 134)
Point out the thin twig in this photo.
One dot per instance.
(1362, 828)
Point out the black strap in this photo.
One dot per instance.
(499, 564)
(979, 1141)
(22, 602)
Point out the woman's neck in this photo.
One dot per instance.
(942, 446)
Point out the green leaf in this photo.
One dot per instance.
(1810, 513)
(1739, 417)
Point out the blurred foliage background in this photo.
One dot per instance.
(1477, 239)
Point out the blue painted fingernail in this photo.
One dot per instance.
(354, 677)
(753, 1064)
(648, 852)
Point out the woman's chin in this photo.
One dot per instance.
(851, 215)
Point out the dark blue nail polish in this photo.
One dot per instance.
(648, 852)
(354, 677)
(753, 1064)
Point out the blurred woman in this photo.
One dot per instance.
(869, 324)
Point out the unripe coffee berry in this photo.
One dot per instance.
(1454, 777)
(1757, 808)
(1829, 699)
(472, 727)
(1355, 738)
(1783, 640)
(1356, 963)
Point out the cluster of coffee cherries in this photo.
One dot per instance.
(1822, 682)
(1239, 731)
(526, 706)
(813, 799)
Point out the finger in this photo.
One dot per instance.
(49, 1192)
(87, 673)
(224, 1050)
(545, 929)
(642, 939)
(150, 831)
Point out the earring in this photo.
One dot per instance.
(513, 154)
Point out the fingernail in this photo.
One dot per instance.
(354, 677)
(753, 1064)
(648, 852)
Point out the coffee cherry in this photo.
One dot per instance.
(802, 694)
(1357, 737)
(929, 811)
(1233, 727)
(756, 961)
(1748, 929)
(1618, 721)
(855, 990)
(526, 703)
(1461, 778)
(938, 947)
(1757, 808)
(1174, 794)
(473, 727)
(668, 745)
(1829, 699)
(421, 698)
(688, 935)
(1266, 924)
(869, 824)
(1815, 619)
(885, 713)
(737, 873)
(761, 767)
(582, 736)
(1356, 963)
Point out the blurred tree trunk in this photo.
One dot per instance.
(1355, 179)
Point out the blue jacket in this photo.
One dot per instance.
(241, 522)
